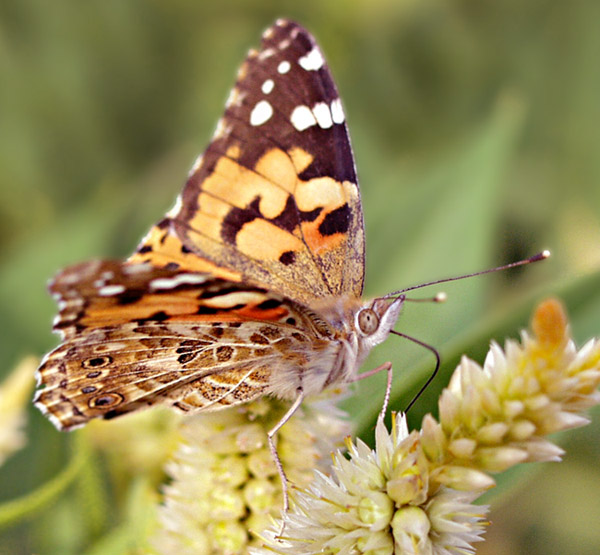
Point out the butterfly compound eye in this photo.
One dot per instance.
(368, 321)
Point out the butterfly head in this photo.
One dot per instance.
(374, 321)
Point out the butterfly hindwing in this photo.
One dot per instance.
(118, 369)
(274, 199)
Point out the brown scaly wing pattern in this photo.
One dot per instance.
(135, 336)
(274, 199)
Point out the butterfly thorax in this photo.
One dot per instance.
(356, 326)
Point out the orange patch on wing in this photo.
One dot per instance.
(263, 240)
(106, 312)
(278, 167)
(211, 213)
(329, 194)
(239, 186)
(300, 158)
(234, 152)
(167, 248)
(255, 313)
(181, 306)
(316, 241)
(320, 192)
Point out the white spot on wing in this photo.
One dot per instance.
(177, 206)
(267, 53)
(222, 129)
(181, 279)
(64, 319)
(69, 279)
(284, 44)
(46, 357)
(284, 67)
(196, 165)
(302, 118)
(131, 269)
(268, 86)
(313, 60)
(110, 290)
(233, 299)
(323, 115)
(71, 303)
(235, 98)
(261, 113)
(57, 423)
(337, 112)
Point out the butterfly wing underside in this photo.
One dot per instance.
(214, 307)
(274, 199)
(135, 336)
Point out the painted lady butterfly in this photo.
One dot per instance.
(251, 284)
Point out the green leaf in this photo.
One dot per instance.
(454, 233)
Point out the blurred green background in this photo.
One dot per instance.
(476, 130)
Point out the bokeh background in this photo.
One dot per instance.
(476, 130)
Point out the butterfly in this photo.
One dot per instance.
(251, 284)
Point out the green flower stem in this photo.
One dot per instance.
(29, 504)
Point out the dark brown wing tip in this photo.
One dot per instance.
(285, 29)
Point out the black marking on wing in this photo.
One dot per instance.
(337, 221)
(289, 218)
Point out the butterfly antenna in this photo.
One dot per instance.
(440, 297)
(435, 370)
(535, 258)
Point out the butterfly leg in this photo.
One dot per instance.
(270, 435)
(387, 366)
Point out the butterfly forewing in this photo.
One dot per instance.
(275, 198)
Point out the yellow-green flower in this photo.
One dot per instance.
(225, 486)
(379, 502)
(414, 493)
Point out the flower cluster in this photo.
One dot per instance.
(225, 485)
(414, 493)
(380, 502)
